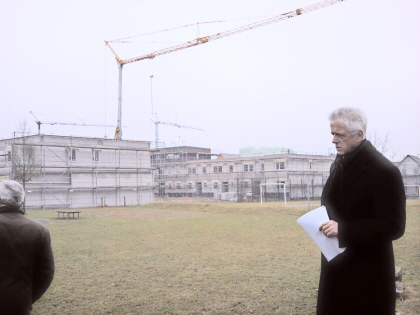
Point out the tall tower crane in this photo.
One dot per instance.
(206, 39)
(39, 123)
(157, 122)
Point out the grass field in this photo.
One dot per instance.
(197, 258)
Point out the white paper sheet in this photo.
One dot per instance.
(311, 222)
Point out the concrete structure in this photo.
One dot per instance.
(410, 171)
(76, 172)
(196, 172)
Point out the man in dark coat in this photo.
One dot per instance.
(365, 200)
(26, 257)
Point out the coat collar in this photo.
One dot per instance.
(358, 162)
(5, 209)
(347, 158)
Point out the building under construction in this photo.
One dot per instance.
(77, 172)
(196, 172)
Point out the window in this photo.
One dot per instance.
(262, 166)
(281, 184)
(248, 167)
(96, 155)
(178, 185)
(192, 170)
(217, 169)
(216, 186)
(204, 170)
(246, 184)
(205, 184)
(72, 155)
(279, 165)
(189, 185)
(169, 186)
(9, 156)
(161, 171)
(231, 168)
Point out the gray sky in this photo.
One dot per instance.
(271, 86)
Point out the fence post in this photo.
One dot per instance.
(309, 204)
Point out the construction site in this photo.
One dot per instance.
(77, 172)
(80, 172)
(184, 171)
(254, 175)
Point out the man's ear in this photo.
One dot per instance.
(360, 135)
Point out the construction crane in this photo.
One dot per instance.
(203, 40)
(39, 123)
(157, 122)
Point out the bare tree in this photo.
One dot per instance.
(25, 164)
(382, 144)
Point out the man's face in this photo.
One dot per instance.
(343, 140)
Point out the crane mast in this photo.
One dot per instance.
(206, 39)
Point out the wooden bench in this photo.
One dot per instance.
(68, 214)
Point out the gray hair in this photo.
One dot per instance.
(11, 193)
(353, 118)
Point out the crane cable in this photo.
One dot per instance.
(105, 88)
(151, 91)
(151, 83)
(123, 40)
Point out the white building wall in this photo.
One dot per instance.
(73, 176)
(246, 176)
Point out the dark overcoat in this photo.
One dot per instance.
(365, 195)
(26, 261)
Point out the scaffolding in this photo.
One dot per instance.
(77, 172)
(192, 172)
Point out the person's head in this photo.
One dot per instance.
(348, 127)
(11, 193)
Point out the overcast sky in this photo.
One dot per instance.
(270, 86)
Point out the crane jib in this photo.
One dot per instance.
(206, 39)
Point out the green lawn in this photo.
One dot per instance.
(197, 258)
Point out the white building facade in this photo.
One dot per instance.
(410, 171)
(240, 178)
(79, 172)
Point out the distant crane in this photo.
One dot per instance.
(157, 122)
(203, 40)
(39, 123)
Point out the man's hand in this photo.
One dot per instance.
(329, 228)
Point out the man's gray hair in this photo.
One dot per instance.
(354, 119)
(11, 193)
